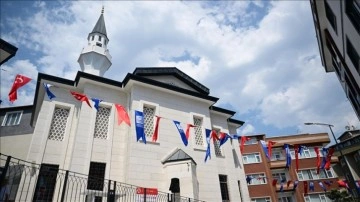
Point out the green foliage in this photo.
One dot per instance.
(341, 196)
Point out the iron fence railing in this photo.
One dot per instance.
(25, 181)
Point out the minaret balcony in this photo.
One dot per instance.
(97, 49)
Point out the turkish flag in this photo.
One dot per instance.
(122, 114)
(81, 97)
(19, 81)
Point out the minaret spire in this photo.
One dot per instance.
(95, 58)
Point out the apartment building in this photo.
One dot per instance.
(337, 26)
(271, 180)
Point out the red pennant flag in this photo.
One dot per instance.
(81, 97)
(188, 126)
(156, 131)
(19, 81)
(318, 163)
(274, 182)
(296, 149)
(243, 140)
(342, 183)
(270, 144)
(328, 158)
(214, 135)
(122, 114)
(288, 184)
(305, 187)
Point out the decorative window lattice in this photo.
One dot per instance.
(102, 123)
(149, 114)
(198, 131)
(58, 124)
(217, 145)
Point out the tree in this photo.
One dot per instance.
(340, 196)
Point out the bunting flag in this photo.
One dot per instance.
(301, 149)
(248, 179)
(274, 181)
(156, 131)
(324, 152)
(296, 149)
(318, 163)
(139, 126)
(96, 103)
(269, 145)
(328, 182)
(208, 153)
(288, 184)
(123, 115)
(357, 183)
(19, 82)
(81, 97)
(305, 187)
(48, 92)
(263, 144)
(181, 132)
(188, 126)
(343, 183)
(288, 155)
(214, 136)
(311, 186)
(223, 138)
(328, 158)
(243, 140)
(322, 186)
(296, 182)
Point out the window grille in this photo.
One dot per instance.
(149, 114)
(12, 118)
(102, 123)
(224, 188)
(96, 176)
(58, 124)
(198, 131)
(217, 145)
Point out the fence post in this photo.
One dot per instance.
(4, 171)
(64, 186)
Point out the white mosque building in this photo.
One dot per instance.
(69, 134)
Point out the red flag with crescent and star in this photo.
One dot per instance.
(19, 81)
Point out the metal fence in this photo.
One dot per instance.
(24, 181)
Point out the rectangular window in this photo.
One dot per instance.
(99, 38)
(251, 158)
(253, 140)
(199, 140)
(12, 118)
(98, 44)
(330, 16)
(353, 55)
(285, 199)
(281, 177)
(224, 188)
(310, 174)
(96, 176)
(352, 9)
(316, 198)
(257, 179)
(217, 144)
(46, 182)
(58, 124)
(239, 186)
(261, 199)
(102, 123)
(92, 38)
(149, 117)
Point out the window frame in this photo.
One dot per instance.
(109, 120)
(256, 154)
(258, 175)
(311, 173)
(11, 113)
(156, 108)
(217, 149)
(329, 13)
(96, 178)
(225, 195)
(196, 146)
(67, 127)
(267, 199)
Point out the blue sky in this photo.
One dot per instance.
(259, 57)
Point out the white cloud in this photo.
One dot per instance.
(264, 64)
(248, 129)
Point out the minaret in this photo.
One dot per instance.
(95, 57)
